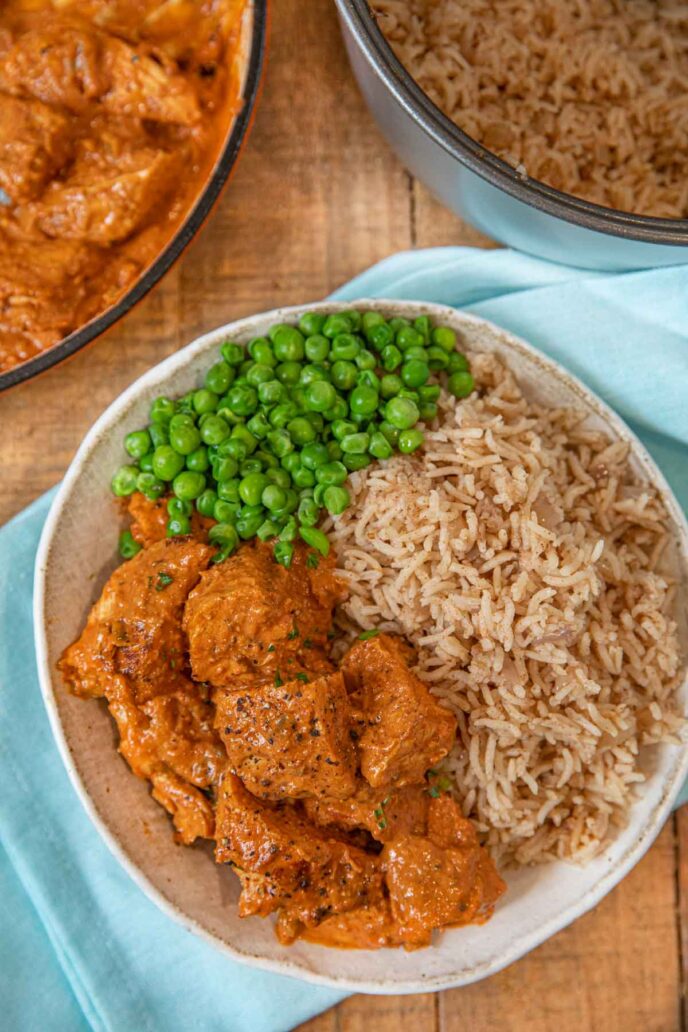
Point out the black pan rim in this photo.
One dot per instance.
(174, 248)
(610, 221)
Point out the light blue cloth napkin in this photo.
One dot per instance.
(80, 945)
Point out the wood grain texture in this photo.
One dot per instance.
(317, 198)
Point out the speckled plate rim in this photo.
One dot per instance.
(156, 377)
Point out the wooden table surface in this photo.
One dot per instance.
(317, 198)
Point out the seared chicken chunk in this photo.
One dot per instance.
(250, 618)
(135, 627)
(285, 863)
(383, 812)
(290, 740)
(403, 731)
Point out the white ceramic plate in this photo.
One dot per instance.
(78, 551)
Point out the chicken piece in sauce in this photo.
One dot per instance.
(383, 812)
(132, 653)
(290, 740)
(149, 520)
(287, 864)
(35, 141)
(402, 729)
(250, 618)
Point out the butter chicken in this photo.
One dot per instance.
(315, 781)
(112, 114)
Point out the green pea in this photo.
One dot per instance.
(334, 450)
(288, 531)
(288, 373)
(178, 526)
(225, 511)
(318, 492)
(415, 373)
(460, 384)
(291, 461)
(149, 485)
(162, 410)
(320, 396)
(290, 505)
(354, 462)
(247, 526)
(273, 497)
(314, 455)
(185, 404)
(379, 446)
(363, 400)
(233, 354)
(437, 358)
(288, 343)
(315, 539)
(258, 374)
(268, 529)
(430, 392)
(391, 358)
(331, 473)
(205, 401)
(317, 348)
(370, 379)
(243, 369)
(261, 351)
(128, 546)
(312, 372)
(146, 463)
(344, 375)
(242, 399)
(251, 466)
(280, 477)
(214, 430)
(308, 512)
(258, 424)
(188, 485)
(371, 319)
(458, 363)
(407, 337)
(225, 467)
(251, 488)
(225, 536)
(444, 338)
(303, 477)
(283, 414)
(401, 412)
(219, 377)
(365, 359)
(423, 325)
(336, 499)
(355, 444)
(280, 442)
(205, 503)
(316, 420)
(167, 462)
(380, 336)
(390, 385)
(179, 507)
(284, 553)
(198, 461)
(159, 434)
(342, 427)
(410, 440)
(428, 411)
(338, 322)
(242, 433)
(301, 430)
(355, 318)
(269, 461)
(390, 433)
(421, 354)
(345, 347)
(311, 323)
(137, 443)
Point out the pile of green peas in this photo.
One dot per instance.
(269, 440)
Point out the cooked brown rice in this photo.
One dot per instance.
(520, 556)
(589, 96)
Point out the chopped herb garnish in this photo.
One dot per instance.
(444, 783)
(379, 814)
(294, 633)
(271, 648)
(312, 560)
(302, 677)
(307, 643)
(367, 635)
(278, 680)
(434, 792)
(382, 824)
(164, 580)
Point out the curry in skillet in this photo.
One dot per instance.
(112, 114)
(314, 779)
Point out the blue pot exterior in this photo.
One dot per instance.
(521, 224)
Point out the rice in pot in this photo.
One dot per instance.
(589, 96)
(520, 556)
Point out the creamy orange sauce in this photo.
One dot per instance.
(112, 114)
